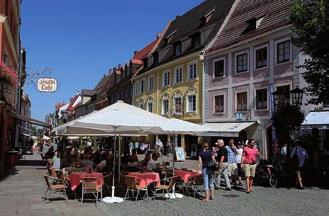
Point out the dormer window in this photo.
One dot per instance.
(206, 18)
(253, 24)
(168, 38)
(145, 62)
(155, 58)
(196, 40)
(178, 48)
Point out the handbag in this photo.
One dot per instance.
(212, 164)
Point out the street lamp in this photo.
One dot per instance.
(297, 96)
(287, 116)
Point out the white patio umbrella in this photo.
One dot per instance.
(176, 126)
(119, 118)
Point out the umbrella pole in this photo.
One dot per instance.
(119, 163)
(114, 153)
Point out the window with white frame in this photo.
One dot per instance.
(191, 103)
(151, 83)
(285, 91)
(150, 105)
(192, 71)
(219, 68)
(165, 105)
(242, 62)
(178, 75)
(166, 79)
(261, 57)
(283, 51)
(178, 103)
(261, 99)
(219, 103)
(242, 101)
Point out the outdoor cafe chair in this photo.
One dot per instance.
(133, 186)
(108, 181)
(89, 185)
(54, 185)
(168, 185)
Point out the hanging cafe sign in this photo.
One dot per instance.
(47, 84)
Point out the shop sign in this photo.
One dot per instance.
(47, 84)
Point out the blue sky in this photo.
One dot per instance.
(80, 40)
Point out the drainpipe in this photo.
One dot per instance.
(18, 94)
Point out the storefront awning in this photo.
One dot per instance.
(31, 120)
(317, 119)
(227, 129)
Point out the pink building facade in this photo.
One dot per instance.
(250, 59)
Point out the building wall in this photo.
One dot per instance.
(9, 50)
(184, 88)
(269, 77)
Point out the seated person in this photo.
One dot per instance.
(147, 158)
(87, 161)
(153, 163)
(102, 164)
(134, 157)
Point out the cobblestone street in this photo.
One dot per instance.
(20, 194)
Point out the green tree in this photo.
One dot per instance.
(310, 19)
(287, 120)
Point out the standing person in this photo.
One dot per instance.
(223, 165)
(249, 159)
(159, 146)
(231, 159)
(239, 161)
(207, 163)
(301, 154)
(56, 161)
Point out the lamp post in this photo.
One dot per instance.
(287, 117)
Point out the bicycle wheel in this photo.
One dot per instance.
(273, 180)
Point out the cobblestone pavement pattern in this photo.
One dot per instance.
(20, 194)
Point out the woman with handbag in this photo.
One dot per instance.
(208, 164)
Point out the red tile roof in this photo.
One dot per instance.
(275, 15)
(143, 53)
(72, 101)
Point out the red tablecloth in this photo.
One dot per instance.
(185, 175)
(145, 178)
(75, 178)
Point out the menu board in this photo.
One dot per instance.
(180, 154)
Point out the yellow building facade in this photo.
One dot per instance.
(173, 89)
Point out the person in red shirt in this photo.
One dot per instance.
(249, 158)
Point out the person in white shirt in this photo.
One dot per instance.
(239, 161)
(159, 146)
(57, 161)
(153, 163)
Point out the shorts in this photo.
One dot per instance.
(232, 169)
(250, 170)
(240, 170)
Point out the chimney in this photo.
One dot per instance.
(135, 52)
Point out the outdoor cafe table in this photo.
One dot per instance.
(145, 178)
(185, 175)
(75, 178)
